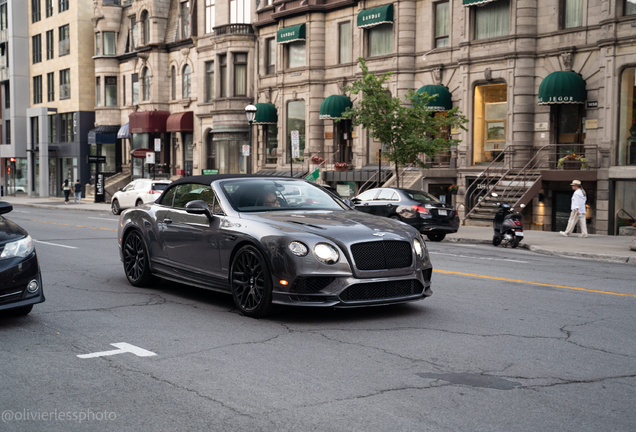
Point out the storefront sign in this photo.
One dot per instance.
(354, 134)
(328, 135)
(157, 144)
(99, 188)
(591, 124)
(454, 131)
(141, 153)
(210, 171)
(97, 159)
(543, 126)
(150, 158)
(592, 104)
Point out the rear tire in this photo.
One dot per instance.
(114, 207)
(515, 242)
(436, 237)
(136, 260)
(496, 240)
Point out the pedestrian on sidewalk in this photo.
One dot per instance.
(66, 187)
(579, 198)
(77, 188)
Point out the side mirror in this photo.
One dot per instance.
(198, 207)
(5, 207)
(120, 189)
(355, 201)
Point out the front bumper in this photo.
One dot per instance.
(15, 275)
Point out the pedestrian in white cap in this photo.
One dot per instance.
(578, 210)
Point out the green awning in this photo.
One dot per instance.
(442, 100)
(562, 87)
(375, 16)
(265, 113)
(291, 34)
(476, 2)
(333, 106)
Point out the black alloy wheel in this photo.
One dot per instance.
(436, 237)
(114, 207)
(136, 264)
(251, 282)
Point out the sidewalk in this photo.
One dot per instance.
(595, 247)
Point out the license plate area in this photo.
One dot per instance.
(519, 233)
(442, 212)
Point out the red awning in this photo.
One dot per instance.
(180, 122)
(148, 121)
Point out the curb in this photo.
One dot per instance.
(55, 207)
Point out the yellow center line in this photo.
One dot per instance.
(76, 226)
(536, 283)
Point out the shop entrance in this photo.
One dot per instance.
(561, 213)
(570, 128)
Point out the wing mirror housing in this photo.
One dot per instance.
(198, 207)
(120, 189)
(355, 201)
(5, 207)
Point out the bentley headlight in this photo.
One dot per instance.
(326, 253)
(419, 247)
(298, 249)
(20, 248)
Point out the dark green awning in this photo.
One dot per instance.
(333, 106)
(291, 34)
(265, 114)
(562, 87)
(476, 2)
(375, 16)
(442, 100)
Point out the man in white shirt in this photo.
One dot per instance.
(578, 210)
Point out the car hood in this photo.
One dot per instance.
(10, 231)
(342, 227)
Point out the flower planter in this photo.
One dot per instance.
(453, 192)
(572, 165)
(341, 168)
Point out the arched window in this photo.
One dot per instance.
(146, 84)
(186, 81)
(173, 82)
(145, 28)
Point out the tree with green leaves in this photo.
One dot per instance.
(407, 128)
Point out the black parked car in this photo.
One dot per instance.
(419, 209)
(271, 241)
(20, 280)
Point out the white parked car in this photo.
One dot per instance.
(136, 193)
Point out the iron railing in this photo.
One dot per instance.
(229, 29)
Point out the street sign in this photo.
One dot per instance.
(246, 150)
(157, 144)
(97, 159)
(150, 158)
(141, 153)
(313, 176)
(210, 171)
(295, 144)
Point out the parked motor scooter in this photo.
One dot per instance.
(508, 225)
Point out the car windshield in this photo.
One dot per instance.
(421, 196)
(257, 195)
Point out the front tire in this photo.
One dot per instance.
(20, 311)
(136, 260)
(436, 237)
(496, 240)
(251, 283)
(114, 207)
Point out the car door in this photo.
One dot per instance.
(191, 240)
(124, 195)
(363, 201)
(141, 191)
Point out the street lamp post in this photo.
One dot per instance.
(250, 113)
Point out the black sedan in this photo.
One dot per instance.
(419, 209)
(272, 241)
(20, 280)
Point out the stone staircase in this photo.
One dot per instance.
(409, 176)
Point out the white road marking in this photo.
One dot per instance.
(123, 348)
(54, 244)
(20, 211)
(481, 258)
(108, 219)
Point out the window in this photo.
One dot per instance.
(173, 83)
(35, 11)
(49, 8)
(35, 131)
(62, 5)
(52, 129)
(4, 19)
(134, 33)
(627, 125)
(387, 195)
(187, 74)
(491, 110)
(344, 36)
(492, 19)
(49, 45)
(630, 7)
(380, 40)
(68, 127)
(296, 54)
(270, 56)
(7, 128)
(240, 74)
(109, 43)
(209, 16)
(145, 28)
(98, 44)
(240, 12)
(296, 122)
(7, 95)
(98, 91)
(135, 89)
(123, 90)
(271, 143)
(185, 20)
(36, 48)
(573, 13)
(145, 76)
(442, 24)
(110, 88)
(209, 81)
(65, 84)
(37, 90)
(65, 42)
(50, 87)
(223, 77)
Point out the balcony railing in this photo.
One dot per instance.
(65, 91)
(230, 29)
(117, 2)
(65, 47)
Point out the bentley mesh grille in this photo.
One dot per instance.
(382, 255)
(382, 290)
(313, 284)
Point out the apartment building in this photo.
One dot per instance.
(539, 81)
(14, 79)
(62, 93)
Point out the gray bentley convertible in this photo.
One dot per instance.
(269, 240)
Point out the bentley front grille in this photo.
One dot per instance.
(382, 255)
(382, 290)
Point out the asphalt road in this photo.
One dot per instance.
(510, 341)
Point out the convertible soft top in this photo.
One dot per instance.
(208, 179)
